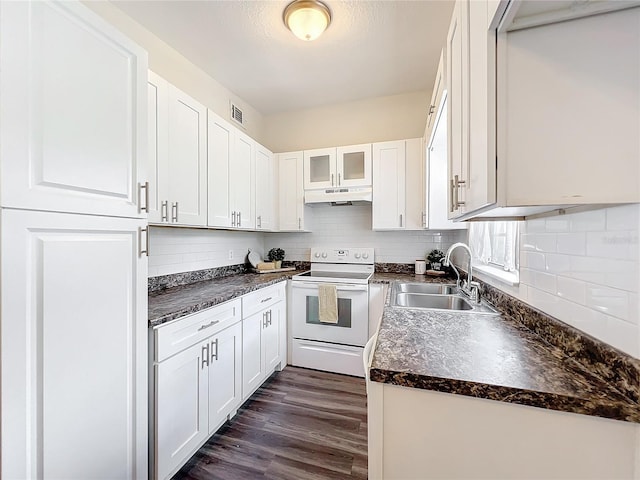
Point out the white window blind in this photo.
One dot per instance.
(495, 244)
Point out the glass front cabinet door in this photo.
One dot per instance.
(337, 167)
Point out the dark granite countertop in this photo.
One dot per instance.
(487, 356)
(177, 302)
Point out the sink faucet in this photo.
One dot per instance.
(468, 287)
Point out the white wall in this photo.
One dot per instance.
(175, 250)
(583, 269)
(175, 68)
(350, 226)
(371, 120)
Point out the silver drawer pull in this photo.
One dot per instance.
(265, 299)
(210, 324)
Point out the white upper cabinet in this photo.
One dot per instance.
(415, 185)
(220, 147)
(73, 112)
(337, 167)
(177, 156)
(389, 167)
(265, 191)
(320, 168)
(232, 176)
(187, 170)
(291, 192)
(458, 105)
(353, 166)
(544, 117)
(436, 96)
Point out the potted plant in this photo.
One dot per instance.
(435, 258)
(276, 255)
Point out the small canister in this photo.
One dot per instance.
(421, 267)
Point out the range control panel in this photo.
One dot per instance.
(359, 255)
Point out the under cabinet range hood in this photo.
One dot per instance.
(339, 196)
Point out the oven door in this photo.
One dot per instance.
(353, 314)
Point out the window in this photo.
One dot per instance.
(495, 249)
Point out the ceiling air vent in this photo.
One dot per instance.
(237, 115)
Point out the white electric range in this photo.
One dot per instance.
(327, 346)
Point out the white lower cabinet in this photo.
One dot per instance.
(197, 389)
(205, 365)
(261, 336)
(73, 347)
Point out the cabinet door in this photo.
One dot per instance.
(264, 189)
(187, 160)
(73, 112)
(436, 97)
(353, 166)
(73, 347)
(389, 185)
(415, 178)
(271, 337)
(290, 191)
(320, 168)
(437, 190)
(220, 149)
(458, 114)
(225, 376)
(181, 399)
(252, 357)
(158, 164)
(243, 180)
(481, 176)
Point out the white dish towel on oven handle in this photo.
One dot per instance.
(328, 303)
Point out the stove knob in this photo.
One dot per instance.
(365, 255)
(357, 255)
(324, 254)
(317, 255)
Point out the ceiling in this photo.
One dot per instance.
(372, 48)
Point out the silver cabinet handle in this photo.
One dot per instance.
(424, 220)
(239, 219)
(452, 196)
(145, 250)
(401, 220)
(233, 219)
(164, 211)
(205, 356)
(214, 356)
(339, 179)
(210, 324)
(299, 223)
(264, 319)
(457, 184)
(144, 186)
(269, 316)
(174, 212)
(332, 179)
(431, 109)
(259, 221)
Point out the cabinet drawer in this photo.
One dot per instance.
(265, 297)
(186, 331)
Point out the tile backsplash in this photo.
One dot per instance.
(583, 268)
(175, 250)
(351, 226)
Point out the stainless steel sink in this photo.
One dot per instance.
(426, 288)
(439, 302)
(435, 296)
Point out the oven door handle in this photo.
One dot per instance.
(339, 287)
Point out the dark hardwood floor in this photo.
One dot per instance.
(301, 424)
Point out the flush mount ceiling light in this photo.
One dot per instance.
(307, 19)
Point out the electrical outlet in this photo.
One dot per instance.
(230, 254)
